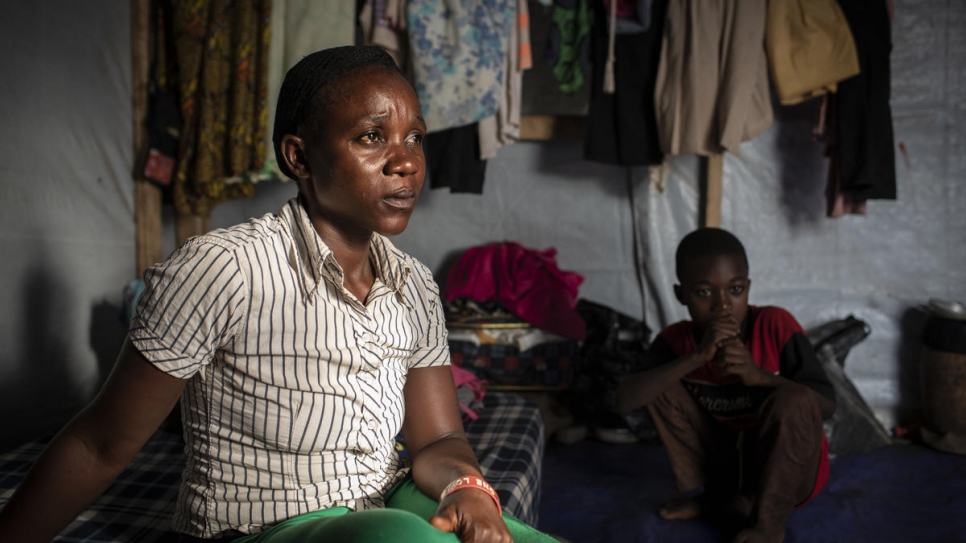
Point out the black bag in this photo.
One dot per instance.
(613, 346)
(853, 428)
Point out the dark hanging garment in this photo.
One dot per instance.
(453, 159)
(864, 138)
(622, 127)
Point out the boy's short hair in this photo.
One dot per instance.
(705, 242)
(298, 96)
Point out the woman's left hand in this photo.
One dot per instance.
(472, 516)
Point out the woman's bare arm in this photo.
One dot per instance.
(437, 443)
(91, 450)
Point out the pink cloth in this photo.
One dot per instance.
(466, 378)
(524, 281)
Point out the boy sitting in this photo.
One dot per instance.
(736, 394)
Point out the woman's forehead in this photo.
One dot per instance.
(360, 84)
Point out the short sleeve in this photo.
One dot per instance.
(189, 308)
(432, 347)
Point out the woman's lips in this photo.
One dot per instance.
(402, 199)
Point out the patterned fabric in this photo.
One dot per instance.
(570, 43)
(459, 50)
(214, 56)
(508, 440)
(138, 507)
(295, 390)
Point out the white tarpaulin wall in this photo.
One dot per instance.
(66, 205)
(67, 226)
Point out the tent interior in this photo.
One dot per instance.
(68, 223)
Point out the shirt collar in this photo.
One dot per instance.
(314, 259)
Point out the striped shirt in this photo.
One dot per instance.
(295, 386)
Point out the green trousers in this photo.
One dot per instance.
(405, 519)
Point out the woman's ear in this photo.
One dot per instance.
(293, 152)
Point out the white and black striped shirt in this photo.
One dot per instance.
(295, 391)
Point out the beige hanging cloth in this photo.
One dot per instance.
(810, 48)
(712, 89)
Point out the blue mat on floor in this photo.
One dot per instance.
(596, 492)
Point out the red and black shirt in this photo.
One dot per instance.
(776, 343)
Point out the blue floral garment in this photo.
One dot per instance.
(459, 51)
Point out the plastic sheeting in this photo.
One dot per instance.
(66, 205)
(67, 226)
(879, 267)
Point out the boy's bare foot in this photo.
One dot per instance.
(757, 535)
(681, 509)
(740, 505)
(696, 506)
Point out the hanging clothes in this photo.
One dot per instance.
(298, 28)
(453, 160)
(458, 50)
(810, 48)
(503, 128)
(568, 47)
(712, 88)
(383, 23)
(622, 126)
(213, 56)
(837, 201)
(864, 143)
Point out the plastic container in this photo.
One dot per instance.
(943, 382)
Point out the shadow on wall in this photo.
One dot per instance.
(41, 389)
(442, 272)
(565, 160)
(802, 165)
(107, 331)
(912, 327)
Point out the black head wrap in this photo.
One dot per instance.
(303, 81)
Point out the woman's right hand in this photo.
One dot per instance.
(472, 516)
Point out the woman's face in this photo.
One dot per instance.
(365, 160)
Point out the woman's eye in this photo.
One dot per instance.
(370, 137)
(416, 139)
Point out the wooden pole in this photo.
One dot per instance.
(711, 185)
(147, 196)
(187, 226)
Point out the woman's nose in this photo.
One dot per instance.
(403, 160)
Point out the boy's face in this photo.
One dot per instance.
(365, 164)
(713, 286)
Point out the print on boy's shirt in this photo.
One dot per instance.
(731, 403)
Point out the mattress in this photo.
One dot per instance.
(139, 505)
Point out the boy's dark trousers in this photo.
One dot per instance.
(775, 463)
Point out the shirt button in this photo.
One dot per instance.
(372, 425)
